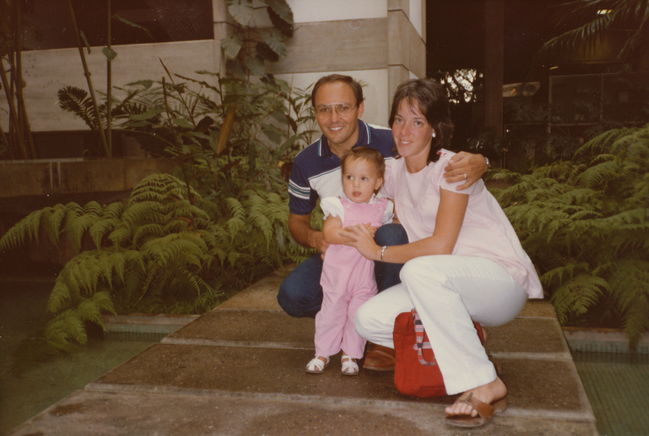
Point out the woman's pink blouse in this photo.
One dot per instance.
(486, 231)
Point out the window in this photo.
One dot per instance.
(47, 23)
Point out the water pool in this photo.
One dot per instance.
(30, 382)
(617, 385)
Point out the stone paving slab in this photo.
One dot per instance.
(98, 413)
(533, 384)
(262, 295)
(528, 335)
(223, 327)
(538, 308)
(242, 326)
(238, 370)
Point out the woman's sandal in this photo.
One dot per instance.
(485, 411)
(348, 365)
(317, 365)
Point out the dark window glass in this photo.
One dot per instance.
(47, 23)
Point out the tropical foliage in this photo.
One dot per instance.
(595, 18)
(585, 223)
(176, 243)
(180, 241)
(258, 35)
(16, 139)
(224, 128)
(165, 249)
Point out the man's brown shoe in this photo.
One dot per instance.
(378, 358)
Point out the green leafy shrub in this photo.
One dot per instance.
(220, 222)
(220, 130)
(165, 249)
(249, 45)
(178, 242)
(585, 224)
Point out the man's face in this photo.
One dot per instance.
(337, 114)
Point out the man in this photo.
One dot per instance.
(339, 104)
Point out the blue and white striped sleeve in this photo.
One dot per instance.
(302, 199)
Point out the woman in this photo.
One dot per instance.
(465, 262)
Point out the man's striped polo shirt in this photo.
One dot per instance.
(316, 170)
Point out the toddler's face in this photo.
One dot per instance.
(360, 180)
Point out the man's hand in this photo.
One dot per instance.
(467, 167)
(300, 228)
(316, 240)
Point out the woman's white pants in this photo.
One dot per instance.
(449, 293)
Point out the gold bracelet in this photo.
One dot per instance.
(383, 251)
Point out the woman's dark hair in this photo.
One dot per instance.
(356, 87)
(369, 154)
(432, 101)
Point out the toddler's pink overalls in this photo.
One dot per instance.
(347, 282)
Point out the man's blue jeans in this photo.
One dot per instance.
(300, 294)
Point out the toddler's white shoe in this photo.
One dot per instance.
(348, 366)
(317, 365)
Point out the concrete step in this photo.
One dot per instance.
(239, 370)
(166, 412)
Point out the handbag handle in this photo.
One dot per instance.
(420, 344)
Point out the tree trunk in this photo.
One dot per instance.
(18, 148)
(494, 17)
(109, 77)
(23, 125)
(86, 72)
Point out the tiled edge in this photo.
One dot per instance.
(603, 340)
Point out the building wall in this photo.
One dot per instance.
(47, 71)
(379, 42)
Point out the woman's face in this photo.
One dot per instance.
(411, 132)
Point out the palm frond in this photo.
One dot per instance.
(578, 295)
(601, 143)
(187, 248)
(237, 222)
(598, 176)
(562, 274)
(65, 330)
(629, 281)
(77, 101)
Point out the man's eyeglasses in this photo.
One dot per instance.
(341, 109)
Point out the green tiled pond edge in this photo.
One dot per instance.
(145, 327)
(602, 341)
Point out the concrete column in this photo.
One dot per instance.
(406, 41)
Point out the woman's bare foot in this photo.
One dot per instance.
(488, 393)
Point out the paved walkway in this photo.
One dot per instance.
(238, 370)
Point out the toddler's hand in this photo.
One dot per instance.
(371, 228)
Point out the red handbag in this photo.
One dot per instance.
(416, 372)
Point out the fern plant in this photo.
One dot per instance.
(585, 223)
(165, 249)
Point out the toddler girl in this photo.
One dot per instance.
(347, 277)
